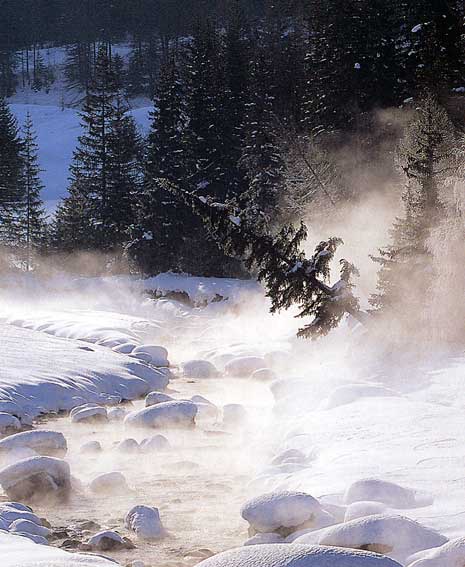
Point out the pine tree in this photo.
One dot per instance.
(406, 264)
(11, 189)
(32, 223)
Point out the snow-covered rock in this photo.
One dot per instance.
(39, 540)
(145, 522)
(158, 355)
(388, 493)
(89, 414)
(350, 392)
(234, 414)
(264, 375)
(154, 444)
(9, 424)
(262, 538)
(284, 555)
(18, 551)
(198, 369)
(106, 540)
(451, 554)
(91, 447)
(11, 512)
(26, 526)
(277, 510)
(125, 348)
(364, 508)
(244, 366)
(166, 414)
(393, 535)
(43, 442)
(155, 398)
(109, 482)
(36, 477)
(127, 446)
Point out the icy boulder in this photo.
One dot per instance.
(43, 442)
(145, 522)
(244, 366)
(198, 369)
(451, 554)
(351, 392)
(154, 444)
(284, 555)
(89, 414)
(166, 414)
(284, 512)
(157, 355)
(362, 509)
(386, 492)
(9, 424)
(36, 477)
(109, 482)
(155, 398)
(393, 535)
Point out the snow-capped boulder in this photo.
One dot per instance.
(127, 446)
(263, 538)
(145, 522)
(362, 509)
(36, 477)
(95, 414)
(242, 367)
(451, 554)
(12, 511)
(158, 355)
(154, 444)
(150, 379)
(393, 535)
(198, 369)
(264, 375)
(116, 414)
(9, 424)
(91, 448)
(284, 555)
(165, 414)
(42, 442)
(125, 348)
(109, 482)
(351, 392)
(155, 398)
(106, 540)
(285, 511)
(234, 414)
(386, 492)
(26, 526)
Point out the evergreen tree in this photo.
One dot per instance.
(11, 189)
(32, 223)
(406, 264)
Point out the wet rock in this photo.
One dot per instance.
(107, 540)
(70, 544)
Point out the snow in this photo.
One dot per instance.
(18, 551)
(269, 512)
(349, 393)
(283, 555)
(393, 535)
(145, 522)
(451, 554)
(43, 442)
(165, 414)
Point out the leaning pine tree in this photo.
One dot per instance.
(289, 277)
(407, 267)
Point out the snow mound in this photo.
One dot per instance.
(145, 522)
(198, 369)
(166, 414)
(362, 509)
(9, 424)
(43, 442)
(351, 392)
(154, 444)
(386, 492)
(157, 355)
(155, 398)
(109, 482)
(89, 414)
(451, 554)
(277, 510)
(284, 555)
(244, 366)
(26, 526)
(392, 535)
(36, 477)
(16, 552)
